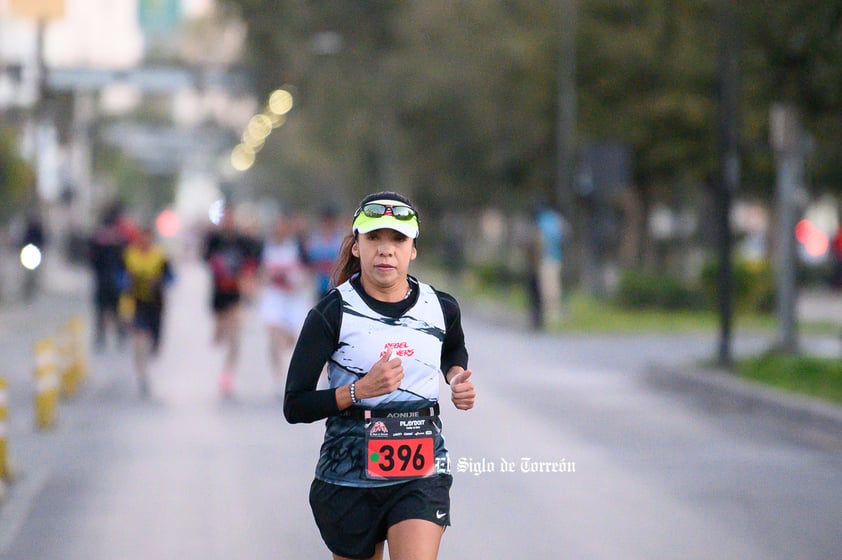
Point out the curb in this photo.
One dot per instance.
(740, 393)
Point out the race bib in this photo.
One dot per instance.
(399, 447)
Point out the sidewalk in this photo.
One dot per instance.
(820, 305)
(56, 277)
(62, 296)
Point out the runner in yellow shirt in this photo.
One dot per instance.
(149, 272)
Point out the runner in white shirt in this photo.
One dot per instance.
(287, 292)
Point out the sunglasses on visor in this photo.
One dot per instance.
(377, 210)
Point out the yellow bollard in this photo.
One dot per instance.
(46, 384)
(5, 470)
(65, 361)
(80, 351)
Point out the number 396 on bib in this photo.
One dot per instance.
(392, 451)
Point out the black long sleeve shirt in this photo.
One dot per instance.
(319, 339)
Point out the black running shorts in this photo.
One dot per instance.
(222, 301)
(353, 520)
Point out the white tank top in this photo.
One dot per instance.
(416, 338)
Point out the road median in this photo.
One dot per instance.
(716, 387)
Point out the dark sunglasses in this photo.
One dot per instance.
(377, 210)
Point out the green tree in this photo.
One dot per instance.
(793, 53)
(17, 179)
(647, 78)
(455, 102)
(477, 98)
(331, 146)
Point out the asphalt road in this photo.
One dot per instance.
(635, 466)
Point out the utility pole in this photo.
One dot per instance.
(787, 139)
(566, 119)
(566, 125)
(41, 65)
(40, 12)
(729, 167)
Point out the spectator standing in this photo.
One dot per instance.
(551, 228)
(34, 235)
(34, 231)
(533, 250)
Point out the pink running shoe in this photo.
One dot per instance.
(226, 382)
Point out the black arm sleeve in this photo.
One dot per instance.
(453, 350)
(316, 344)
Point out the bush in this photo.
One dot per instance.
(641, 290)
(496, 275)
(753, 284)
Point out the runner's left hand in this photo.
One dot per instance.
(462, 390)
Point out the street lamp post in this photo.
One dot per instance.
(40, 12)
(566, 119)
(729, 166)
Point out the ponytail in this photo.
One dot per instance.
(346, 263)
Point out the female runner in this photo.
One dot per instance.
(383, 473)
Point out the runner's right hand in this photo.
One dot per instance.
(384, 377)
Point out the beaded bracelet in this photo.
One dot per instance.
(354, 393)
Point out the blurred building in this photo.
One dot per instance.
(151, 79)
